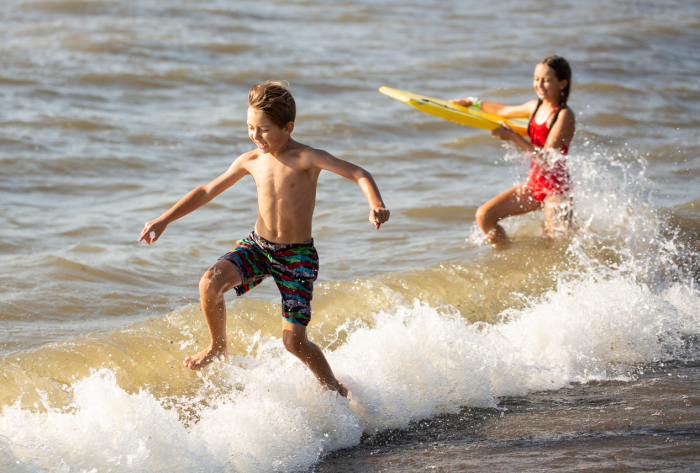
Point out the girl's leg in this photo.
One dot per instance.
(558, 214)
(218, 279)
(515, 201)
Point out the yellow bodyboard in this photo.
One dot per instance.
(468, 116)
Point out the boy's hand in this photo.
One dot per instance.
(154, 226)
(378, 216)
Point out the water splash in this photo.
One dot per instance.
(621, 299)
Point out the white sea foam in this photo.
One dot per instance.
(416, 361)
(265, 411)
(275, 424)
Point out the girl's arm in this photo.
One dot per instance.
(499, 109)
(561, 133)
(194, 200)
(506, 133)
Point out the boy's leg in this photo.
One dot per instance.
(515, 201)
(218, 279)
(295, 341)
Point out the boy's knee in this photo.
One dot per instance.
(209, 283)
(294, 343)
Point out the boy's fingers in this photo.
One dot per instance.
(378, 216)
(145, 234)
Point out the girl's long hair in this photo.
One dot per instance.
(563, 72)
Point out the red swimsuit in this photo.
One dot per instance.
(546, 179)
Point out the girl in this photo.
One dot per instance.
(551, 129)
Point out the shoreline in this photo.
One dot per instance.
(492, 439)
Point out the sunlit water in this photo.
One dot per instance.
(113, 110)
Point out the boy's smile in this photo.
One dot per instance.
(266, 135)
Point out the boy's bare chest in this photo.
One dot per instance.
(281, 177)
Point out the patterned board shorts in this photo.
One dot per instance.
(293, 266)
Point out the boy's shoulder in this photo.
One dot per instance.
(313, 153)
(248, 156)
(314, 158)
(306, 153)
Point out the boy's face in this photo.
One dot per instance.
(265, 134)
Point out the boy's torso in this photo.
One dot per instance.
(286, 186)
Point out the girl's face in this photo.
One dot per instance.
(546, 84)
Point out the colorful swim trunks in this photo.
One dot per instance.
(293, 266)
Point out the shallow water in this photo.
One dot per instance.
(112, 110)
(645, 423)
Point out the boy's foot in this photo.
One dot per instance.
(203, 358)
(337, 387)
(342, 390)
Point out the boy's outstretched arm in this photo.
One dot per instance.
(193, 200)
(378, 213)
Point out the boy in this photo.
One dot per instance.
(285, 173)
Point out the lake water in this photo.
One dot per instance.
(578, 355)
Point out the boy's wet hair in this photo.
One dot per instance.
(563, 72)
(275, 100)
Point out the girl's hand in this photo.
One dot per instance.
(154, 226)
(504, 132)
(465, 102)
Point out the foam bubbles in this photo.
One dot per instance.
(281, 421)
(104, 428)
(620, 301)
(420, 361)
(265, 412)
